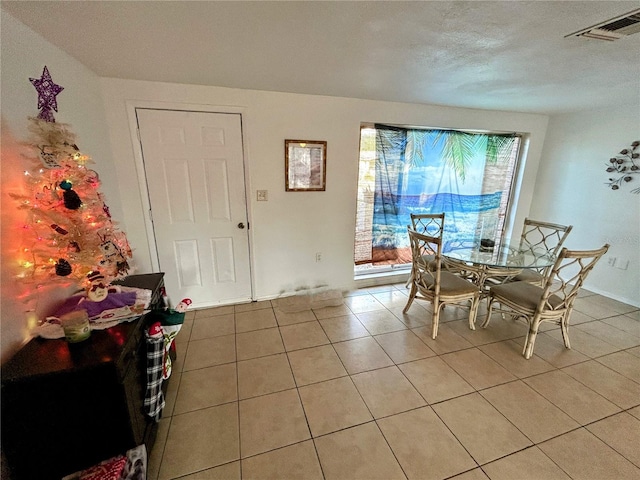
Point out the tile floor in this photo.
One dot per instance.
(361, 391)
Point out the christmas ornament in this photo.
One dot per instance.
(71, 199)
(59, 229)
(93, 179)
(97, 289)
(112, 257)
(48, 196)
(47, 92)
(48, 157)
(63, 268)
(105, 208)
(183, 305)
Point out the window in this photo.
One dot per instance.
(468, 175)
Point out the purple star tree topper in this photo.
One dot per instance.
(47, 92)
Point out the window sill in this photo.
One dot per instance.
(382, 277)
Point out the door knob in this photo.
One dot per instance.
(241, 225)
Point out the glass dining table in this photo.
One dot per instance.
(498, 263)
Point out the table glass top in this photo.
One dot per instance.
(503, 255)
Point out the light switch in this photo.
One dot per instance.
(262, 195)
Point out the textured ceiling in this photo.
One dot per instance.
(508, 55)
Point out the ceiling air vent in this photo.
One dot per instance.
(612, 29)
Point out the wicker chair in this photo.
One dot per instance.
(428, 224)
(429, 282)
(540, 236)
(431, 224)
(552, 302)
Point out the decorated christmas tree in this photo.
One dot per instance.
(68, 231)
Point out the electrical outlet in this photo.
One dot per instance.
(622, 264)
(261, 195)
(318, 257)
(611, 261)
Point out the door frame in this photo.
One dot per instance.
(131, 106)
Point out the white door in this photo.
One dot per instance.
(194, 167)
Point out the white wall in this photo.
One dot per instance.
(571, 189)
(291, 227)
(24, 54)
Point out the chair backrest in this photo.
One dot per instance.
(543, 236)
(426, 256)
(538, 235)
(567, 277)
(428, 223)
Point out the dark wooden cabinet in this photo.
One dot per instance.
(66, 407)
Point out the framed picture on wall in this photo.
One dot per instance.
(305, 165)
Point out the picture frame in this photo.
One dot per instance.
(305, 165)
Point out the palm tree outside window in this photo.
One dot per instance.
(467, 175)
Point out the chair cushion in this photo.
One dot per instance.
(451, 284)
(522, 293)
(528, 275)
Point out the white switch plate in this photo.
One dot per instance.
(262, 195)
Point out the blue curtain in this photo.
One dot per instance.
(434, 171)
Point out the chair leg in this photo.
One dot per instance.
(489, 310)
(412, 295)
(531, 338)
(435, 319)
(473, 312)
(565, 331)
